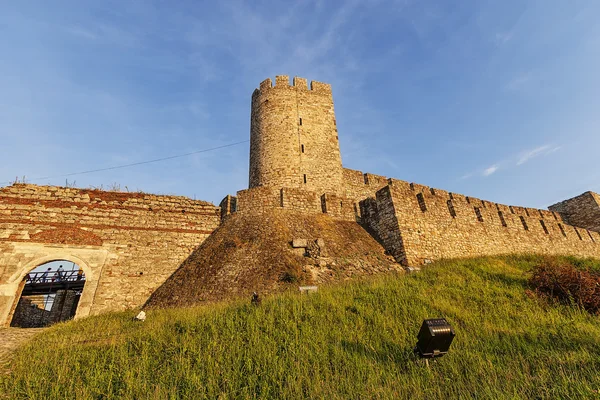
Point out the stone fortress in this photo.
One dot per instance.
(130, 244)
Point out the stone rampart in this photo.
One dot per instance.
(228, 205)
(264, 199)
(418, 224)
(127, 243)
(359, 186)
(583, 210)
(340, 207)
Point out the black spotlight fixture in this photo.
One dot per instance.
(434, 338)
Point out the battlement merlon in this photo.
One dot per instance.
(283, 81)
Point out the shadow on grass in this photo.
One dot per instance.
(506, 280)
(387, 352)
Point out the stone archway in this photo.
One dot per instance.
(50, 293)
(28, 256)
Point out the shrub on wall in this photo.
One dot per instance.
(561, 280)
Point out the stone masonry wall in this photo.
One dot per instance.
(31, 312)
(583, 210)
(418, 224)
(359, 186)
(228, 205)
(130, 242)
(340, 207)
(63, 304)
(293, 137)
(259, 199)
(263, 199)
(379, 217)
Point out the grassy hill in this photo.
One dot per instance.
(348, 342)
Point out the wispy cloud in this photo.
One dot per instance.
(490, 170)
(514, 161)
(538, 151)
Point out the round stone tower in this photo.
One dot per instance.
(293, 137)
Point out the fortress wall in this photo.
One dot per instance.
(359, 186)
(379, 216)
(583, 210)
(321, 160)
(300, 200)
(258, 200)
(293, 137)
(228, 205)
(133, 241)
(263, 199)
(435, 224)
(340, 207)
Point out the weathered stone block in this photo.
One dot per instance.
(299, 243)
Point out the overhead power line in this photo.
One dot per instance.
(132, 164)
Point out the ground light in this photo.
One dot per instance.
(434, 338)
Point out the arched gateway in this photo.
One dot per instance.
(34, 298)
(50, 293)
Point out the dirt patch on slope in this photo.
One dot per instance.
(10, 340)
(254, 253)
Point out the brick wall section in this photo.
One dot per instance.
(293, 134)
(264, 199)
(416, 224)
(583, 210)
(145, 237)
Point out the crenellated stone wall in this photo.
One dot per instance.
(127, 243)
(418, 224)
(264, 199)
(359, 186)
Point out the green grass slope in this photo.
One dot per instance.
(353, 341)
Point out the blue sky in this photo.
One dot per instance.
(498, 100)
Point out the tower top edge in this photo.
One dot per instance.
(283, 82)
